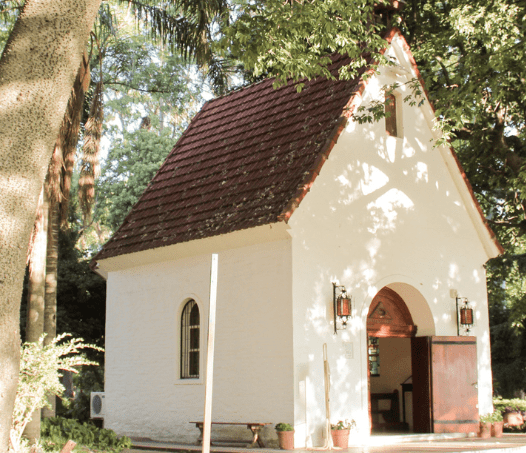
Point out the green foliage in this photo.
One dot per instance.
(39, 377)
(291, 40)
(508, 341)
(471, 55)
(284, 427)
(81, 294)
(131, 164)
(150, 96)
(496, 416)
(87, 380)
(55, 432)
(492, 417)
(9, 11)
(486, 418)
(503, 406)
(143, 81)
(344, 425)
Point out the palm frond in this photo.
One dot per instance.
(105, 26)
(90, 153)
(186, 26)
(60, 170)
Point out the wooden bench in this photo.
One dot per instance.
(391, 417)
(254, 427)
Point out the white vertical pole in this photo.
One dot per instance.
(209, 378)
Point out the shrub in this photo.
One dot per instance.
(57, 431)
(493, 417)
(39, 377)
(510, 405)
(87, 380)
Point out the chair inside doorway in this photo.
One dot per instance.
(389, 320)
(386, 419)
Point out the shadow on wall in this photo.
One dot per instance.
(392, 213)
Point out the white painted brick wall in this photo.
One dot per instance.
(253, 361)
(383, 211)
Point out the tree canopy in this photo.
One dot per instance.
(470, 53)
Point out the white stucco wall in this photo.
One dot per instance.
(253, 375)
(384, 211)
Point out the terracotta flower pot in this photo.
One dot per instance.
(513, 418)
(485, 430)
(497, 429)
(286, 440)
(340, 437)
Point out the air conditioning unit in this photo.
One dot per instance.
(97, 405)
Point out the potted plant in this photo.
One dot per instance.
(485, 426)
(512, 416)
(340, 433)
(285, 436)
(497, 424)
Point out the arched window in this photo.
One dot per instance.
(190, 341)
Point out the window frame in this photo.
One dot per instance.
(185, 372)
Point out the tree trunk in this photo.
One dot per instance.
(50, 309)
(37, 273)
(50, 312)
(36, 293)
(37, 70)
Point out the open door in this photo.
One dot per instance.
(445, 395)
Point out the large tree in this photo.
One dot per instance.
(472, 55)
(37, 70)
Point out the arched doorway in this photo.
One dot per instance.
(390, 327)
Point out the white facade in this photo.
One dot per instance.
(253, 376)
(384, 211)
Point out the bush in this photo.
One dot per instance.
(509, 405)
(39, 377)
(495, 416)
(89, 379)
(55, 432)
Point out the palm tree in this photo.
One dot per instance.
(43, 256)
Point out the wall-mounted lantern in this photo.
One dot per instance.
(465, 319)
(342, 306)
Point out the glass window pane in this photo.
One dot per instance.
(190, 341)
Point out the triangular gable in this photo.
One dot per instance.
(247, 159)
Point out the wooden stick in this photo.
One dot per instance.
(209, 378)
(68, 448)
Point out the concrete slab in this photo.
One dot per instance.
(509, 443)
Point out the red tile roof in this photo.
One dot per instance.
(245, 160)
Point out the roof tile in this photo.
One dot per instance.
(238, 165)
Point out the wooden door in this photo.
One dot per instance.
(421, 372)
(445, 395)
